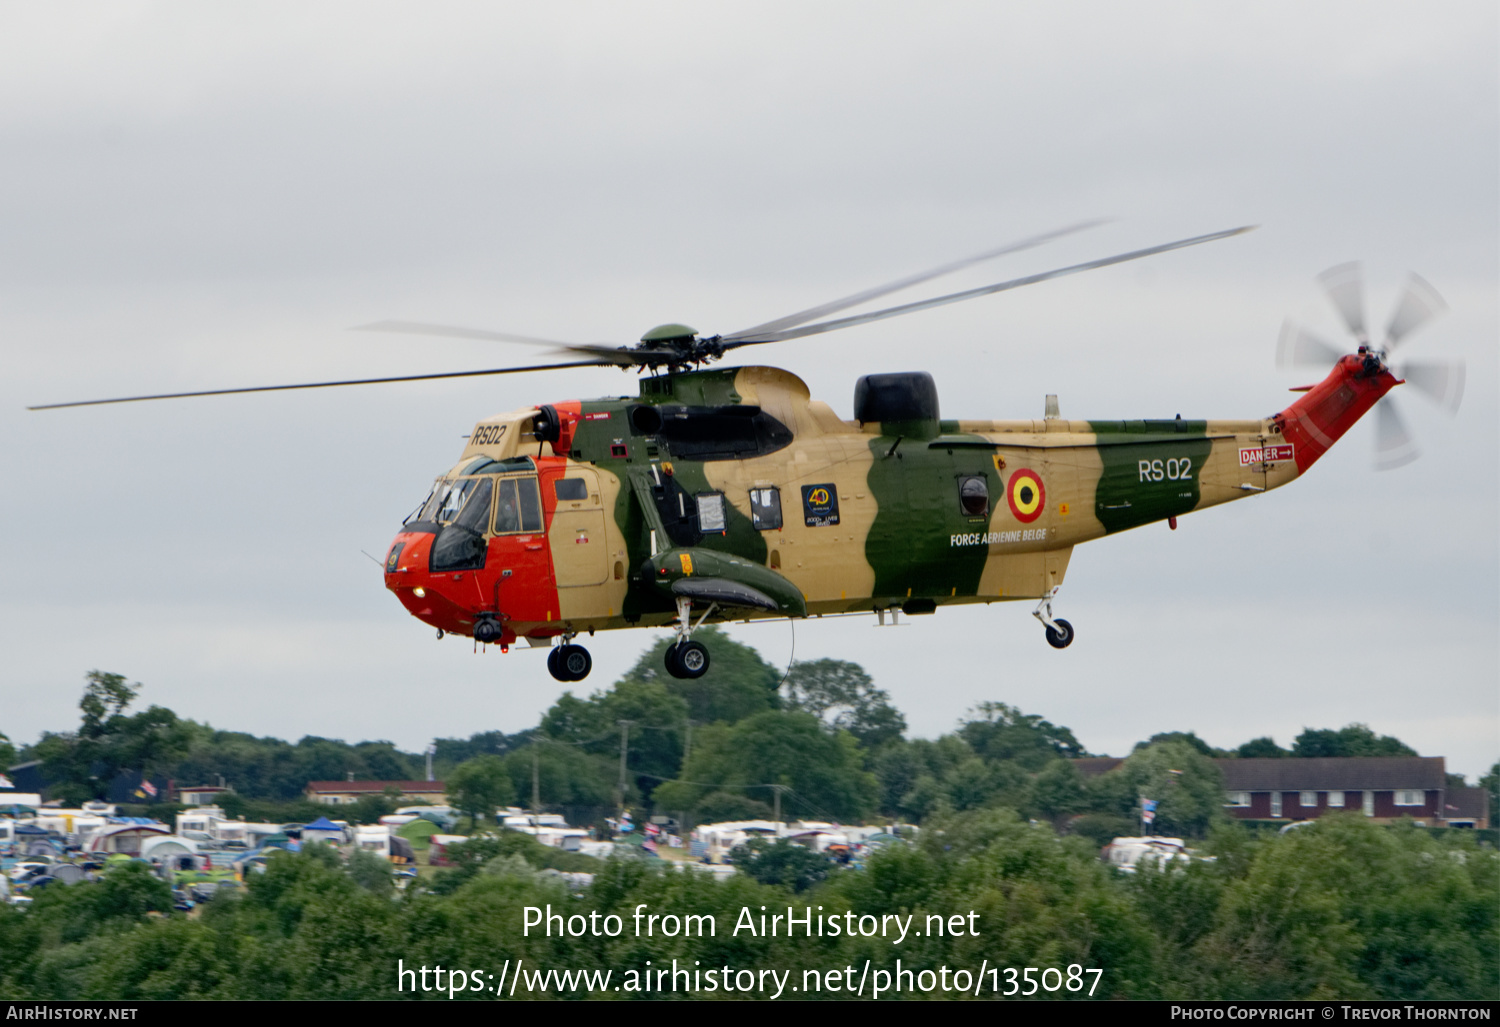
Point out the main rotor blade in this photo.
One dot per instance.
(605, 352)
(322, 385)
(1418, 303)
(1298, 347)
(1441, 381)
(834, 306)
(968, 294)
(1394, 446)
(1345, 287)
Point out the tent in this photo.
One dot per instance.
(322, 830)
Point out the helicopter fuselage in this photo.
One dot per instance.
(736, 492)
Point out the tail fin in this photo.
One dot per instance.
(1330, 408)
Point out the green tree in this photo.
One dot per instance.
(1261, 748)
(480, 786)
(779, 862)
(918, 778)
(999, 732)
(7, 753)
(371, 872)
(1187, 786)
(842, 695)
(822, 771)
(151, 742)
(567, 775)
(1057, 791)
(658, 724)
(1491, 783)
(81, 765)
(1349, 909)
(1187, 738)
(1351, 740)
(738, 684)
(105, 698)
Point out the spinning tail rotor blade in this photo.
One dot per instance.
(1418, 304)
(1300, 348)
(1440, 381)
(833, 307)
(1345, 287)
(1394, 446)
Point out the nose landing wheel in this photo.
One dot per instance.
(569, 662)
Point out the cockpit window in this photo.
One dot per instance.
(519, 508)
(476, 512)
(429, 508)
(453, 502)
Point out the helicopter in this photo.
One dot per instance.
(719, 494)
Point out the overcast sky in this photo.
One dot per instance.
(200, 196)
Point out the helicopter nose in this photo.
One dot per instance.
(407, 576)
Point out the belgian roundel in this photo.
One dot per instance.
(1026, 495)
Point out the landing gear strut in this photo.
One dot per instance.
(1059, 631)
(686, 658)
(569, 662)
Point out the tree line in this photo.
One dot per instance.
(820, 741)
(1344, 909)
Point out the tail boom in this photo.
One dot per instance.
(1323, 414)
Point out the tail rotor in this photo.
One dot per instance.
(1441, 381)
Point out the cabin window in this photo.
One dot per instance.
(572, 490)
(765, 509)
(1336, 800)
(519, 508)
(1308, 800)
(1275, 804)
(1238, 799)
(974, 495)
(711, 512)
(1410, 797)
(1368, 803)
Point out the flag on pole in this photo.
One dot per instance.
(148, 788)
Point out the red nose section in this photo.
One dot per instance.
(514, 585)
(1317, 420)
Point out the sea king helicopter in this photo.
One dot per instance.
(729, 493)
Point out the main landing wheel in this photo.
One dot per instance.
(569, 662)
(687, 660)
(1061, 636)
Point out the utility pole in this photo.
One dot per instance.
(624, 752)
(777, 790)
(431, 748)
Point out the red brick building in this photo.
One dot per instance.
(1382, 788)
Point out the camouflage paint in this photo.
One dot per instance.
(902, 536)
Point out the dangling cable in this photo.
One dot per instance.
(793, 657)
